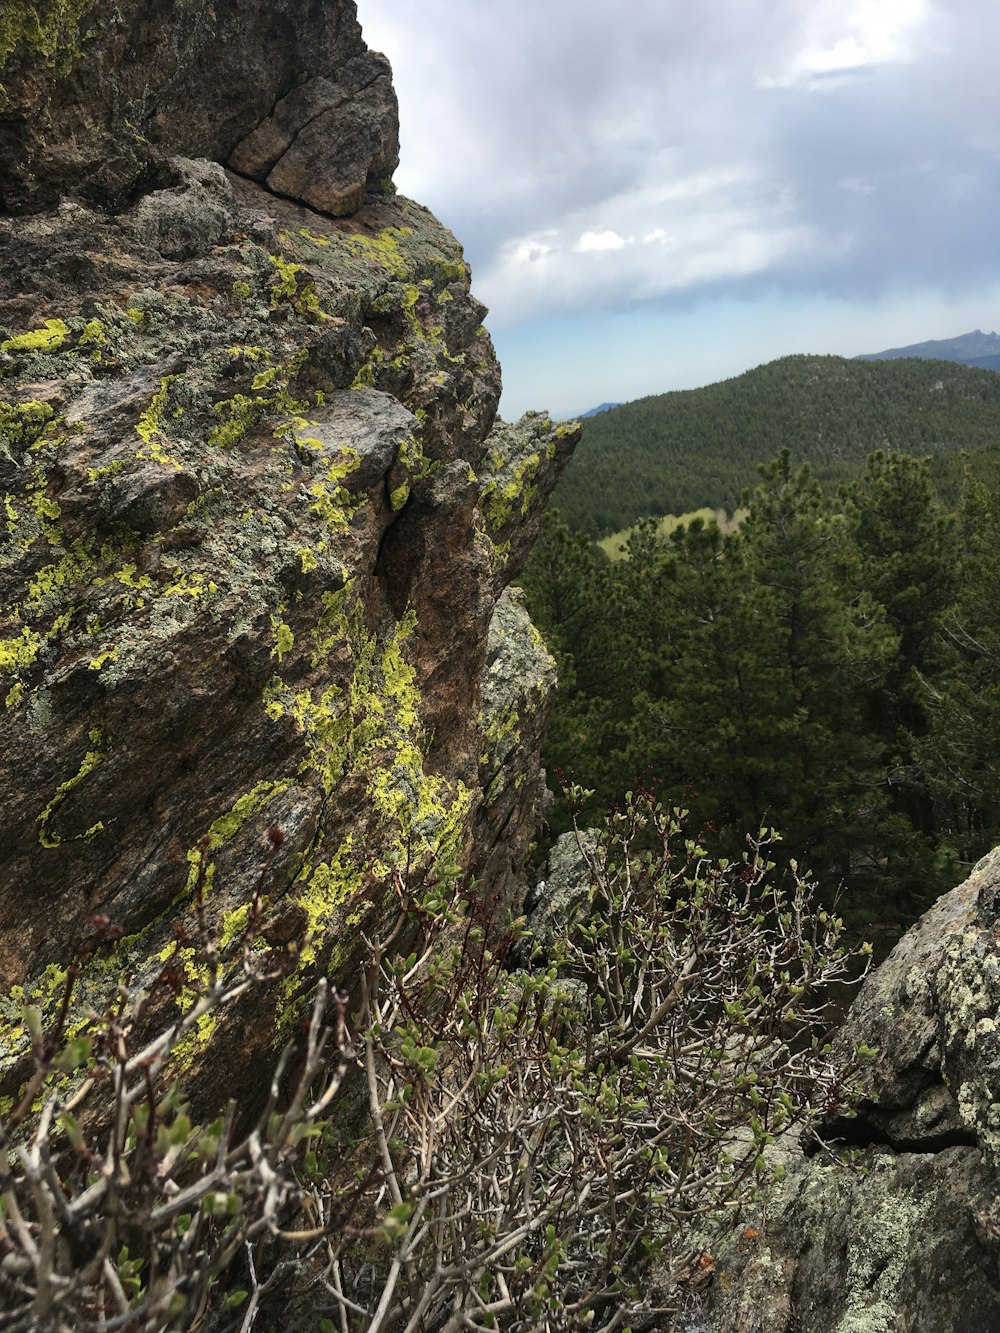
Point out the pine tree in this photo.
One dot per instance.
(961, 751)
(571, 589)
(908, 561)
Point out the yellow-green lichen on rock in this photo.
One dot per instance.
(967, 987)
(517, 459)
(49, 338)
(237, 596)
(47, 836)
(21, 424)
(889, 1230)
(49, 29)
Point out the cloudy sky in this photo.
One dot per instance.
(659, 194)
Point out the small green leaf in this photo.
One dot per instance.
(72, 1129)
(75, 1053)
(394, 1226)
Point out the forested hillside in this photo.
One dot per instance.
(676, 452)
(831, 668)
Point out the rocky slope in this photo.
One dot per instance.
(905, 1234)
(256, 528)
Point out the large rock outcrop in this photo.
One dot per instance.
(256, 526)
(906, 1234)
(95, 98)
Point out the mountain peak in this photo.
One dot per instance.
(968, 348)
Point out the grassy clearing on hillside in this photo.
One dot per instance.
(614, 546)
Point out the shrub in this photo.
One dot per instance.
(471, 1147)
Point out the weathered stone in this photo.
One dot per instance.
(375, 424)
(305, 173)
(97, 96)
(906, 1236)
(253, 560)
(260, 151)
(931, 1122)
(326, 143)
(154, 498)
(885, 1246)
(189, 219)
(521, 464)
(559, 897)
(897, 1010)
(518, 691)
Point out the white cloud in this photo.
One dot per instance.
(871, 33)
(887, 29)
(727, 244)
(594, 241)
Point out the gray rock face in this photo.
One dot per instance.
(256, 523)
(517, 697)
(887, 1247)
(561, 893)
(95, 97)
(189, 218)
(326, 142)
(906, 1236)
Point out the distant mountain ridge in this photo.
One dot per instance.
(678, 452)
(595, 411)
(971, 349)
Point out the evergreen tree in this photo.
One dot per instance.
(754, 683)
(570, 586)
(811, 671)
(830, 642)
(961, 751)
(908, 561)
(909, 552)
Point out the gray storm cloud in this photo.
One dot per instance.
(591, 156)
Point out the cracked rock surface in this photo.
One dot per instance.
(95, 97)
(256, 523)
(327, 142)
(905, 1235)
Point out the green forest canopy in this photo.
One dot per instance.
(830, 668)
(676, 452)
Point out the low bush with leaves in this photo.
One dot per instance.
(464, 1146)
